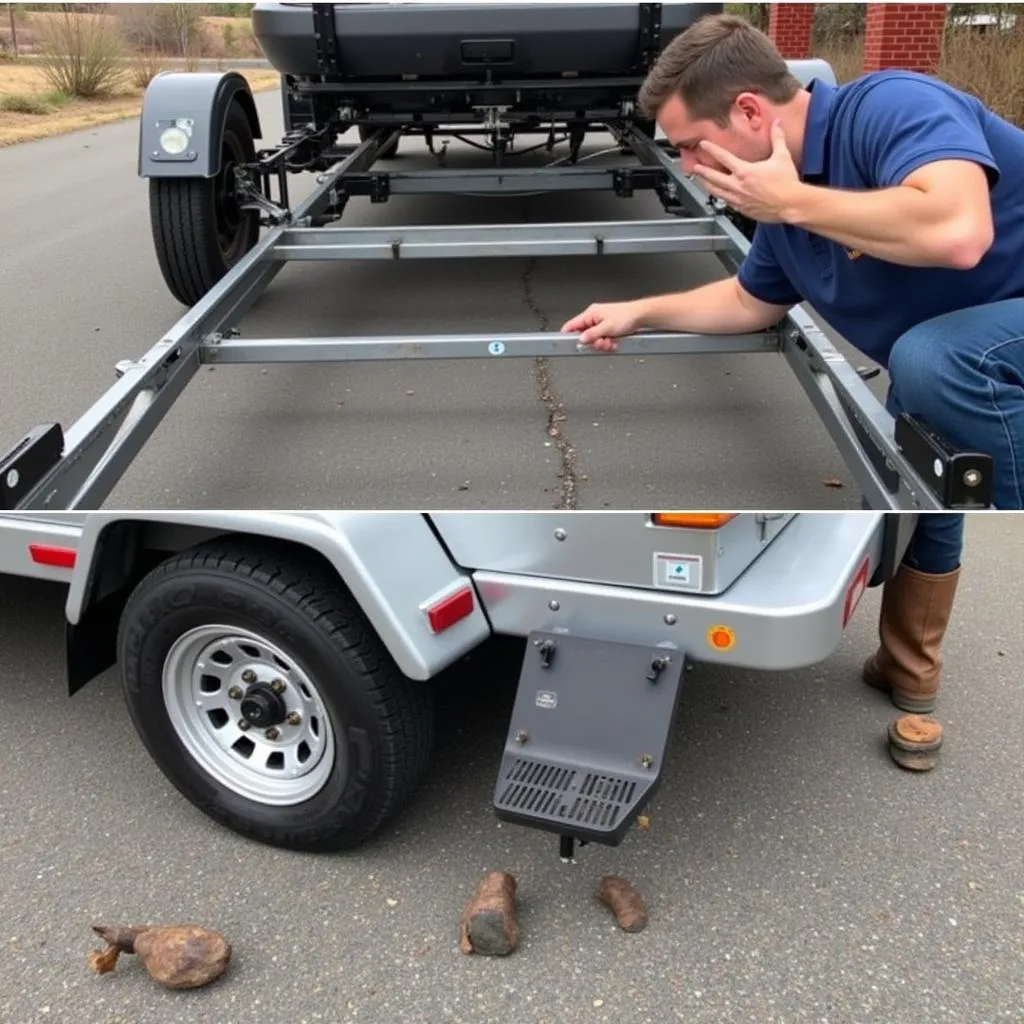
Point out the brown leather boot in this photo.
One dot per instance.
(915, 612)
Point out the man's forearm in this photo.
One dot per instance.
(717, 308)
(900, 225)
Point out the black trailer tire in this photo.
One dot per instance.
(373, 725)
(198, 230)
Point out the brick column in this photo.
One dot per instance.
(903, 36)
(790, 27)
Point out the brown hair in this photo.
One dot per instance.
(711, 63)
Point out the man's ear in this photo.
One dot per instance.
(750, 108)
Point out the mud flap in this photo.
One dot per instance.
(587, 737)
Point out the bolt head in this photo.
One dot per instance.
(972, 478)
(277, 686)
(235, 693)
(243, 724)
(670, 619)
(521, 736)
(560, 534)
(248, 676)
(646, 761)
(294, 718)
(272, 733)
(554, 605)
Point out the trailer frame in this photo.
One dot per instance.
(898, 464)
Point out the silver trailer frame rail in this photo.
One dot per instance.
(898, 464)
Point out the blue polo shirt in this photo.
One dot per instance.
(871, 133)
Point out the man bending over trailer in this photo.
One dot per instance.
(894, 205)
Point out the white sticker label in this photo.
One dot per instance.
(496, 348)
(678, 572)
(547, 700)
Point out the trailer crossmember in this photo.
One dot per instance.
(897, 464)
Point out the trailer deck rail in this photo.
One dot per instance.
(898, 464)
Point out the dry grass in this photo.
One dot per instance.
(845, 56)
(990, 67)
(29, 83)
(82, 55)
(219, 37)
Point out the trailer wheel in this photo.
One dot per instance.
(199, 231)
(267, 700)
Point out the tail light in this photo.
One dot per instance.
(693, 520)
(48, 554)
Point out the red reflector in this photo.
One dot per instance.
(46, 554)
(450, 610)
(855, 592)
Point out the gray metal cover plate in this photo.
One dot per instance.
(587, 736)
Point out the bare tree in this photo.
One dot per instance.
(14, 29)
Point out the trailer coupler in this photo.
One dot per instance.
(587, 738)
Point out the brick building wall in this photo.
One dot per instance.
(896, 35)
(903, 36)
(790, 27)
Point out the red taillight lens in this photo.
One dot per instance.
(450, 610)
(47, 554)
(854, 592)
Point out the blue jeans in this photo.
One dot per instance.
(964, 374)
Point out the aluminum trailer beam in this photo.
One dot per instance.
(598, 238)
(469, 346)
(506, 181)
(105, 440)
(100, 446)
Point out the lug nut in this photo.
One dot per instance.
(243, 724)
(277, 686)
(235, 693)
(248, 676)
(272, 733)
(294, 718)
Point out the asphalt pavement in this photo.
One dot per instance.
(792, 872)
(80, 290)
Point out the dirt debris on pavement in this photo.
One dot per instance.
(490, 923)
(553, 404)
(625, 902)
(175, 956)
(915, 741)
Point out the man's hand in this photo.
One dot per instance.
(599, 325)
(763, 191)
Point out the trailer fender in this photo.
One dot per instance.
(807, 70)
(192, 108)
(393, 564)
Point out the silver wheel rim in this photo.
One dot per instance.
(204, 672)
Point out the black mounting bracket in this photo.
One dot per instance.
(326, 36)
(959, 479)
(648, 37)
(626, 179)
(28, 462)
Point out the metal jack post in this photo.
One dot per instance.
(567, 848)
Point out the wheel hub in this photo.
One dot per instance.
(262, 707)
(249, 715)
